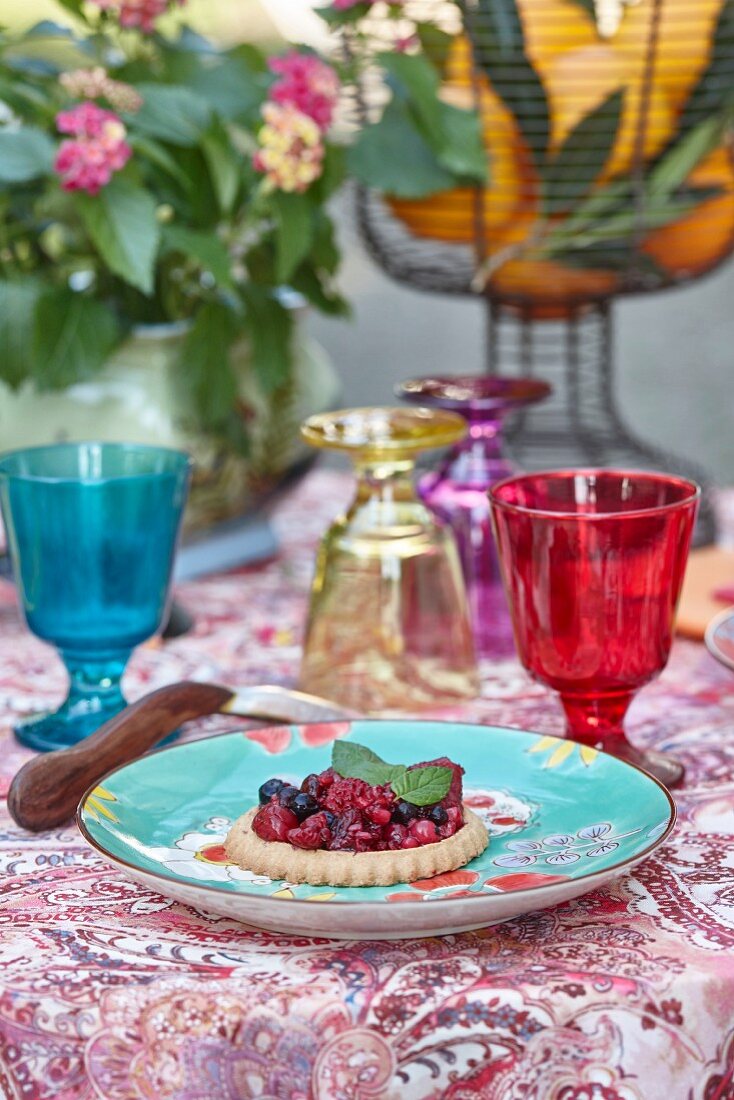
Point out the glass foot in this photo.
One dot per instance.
(63, 728)
(666, 768)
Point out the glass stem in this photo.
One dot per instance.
(95, 683)
(597, 721)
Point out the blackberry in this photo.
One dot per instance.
(268, 789)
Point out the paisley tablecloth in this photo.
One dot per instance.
(109, 991)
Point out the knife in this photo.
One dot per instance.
(46, 791)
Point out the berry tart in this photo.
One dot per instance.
(361, 822)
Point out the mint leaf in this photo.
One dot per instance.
(423, 786)
(353, 761)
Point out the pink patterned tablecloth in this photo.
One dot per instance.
(107, 990)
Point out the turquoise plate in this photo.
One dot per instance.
(562, 820)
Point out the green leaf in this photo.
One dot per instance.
(228, 84)
(462, 151)
(435, 44)
(715, 89)
(332, 175)
(675, 166)
(121, 220)
(499, 48)
(583, 155)
(294, 234)
(18, 299)
(353, 761)
(25, 155)
(423, 786)
(270, 326)
(205, 368)
(73, 337)
(205, 248)
(317, 290)
(224, 164)
(393, 157)
(454, 135)
(159, 156)
(173, 114)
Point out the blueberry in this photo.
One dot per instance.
(303, 805)
(404, 813)
(268, 789)
(438, 815)
(286, 794)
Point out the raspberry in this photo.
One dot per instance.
(424, 831)
(274, 822)
(345, 794)
(313, 833)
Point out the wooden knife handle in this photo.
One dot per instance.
(46, 791)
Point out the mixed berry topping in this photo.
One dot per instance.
(337, 813)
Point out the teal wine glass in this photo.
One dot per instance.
(92, 531)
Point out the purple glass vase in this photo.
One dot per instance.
(457, 491)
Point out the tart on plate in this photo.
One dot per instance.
(361, 822)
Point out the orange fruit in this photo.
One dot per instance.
(578, 81)
(552, 27)
(451, 215)
(685, 36)
(699, 240)
(549, 288)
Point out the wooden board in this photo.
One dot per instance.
(709, 570)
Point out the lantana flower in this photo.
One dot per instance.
(140, 14)
(98, 84)
(306, 83)
(291, 152)
(96, 150)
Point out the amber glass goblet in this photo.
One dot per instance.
(388, 625)
(593, 564)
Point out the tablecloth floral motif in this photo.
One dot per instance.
(111, 992)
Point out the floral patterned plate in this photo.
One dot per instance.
(719, 637)
(562, 820)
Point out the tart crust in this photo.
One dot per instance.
(279, 860)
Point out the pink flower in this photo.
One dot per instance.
(291, 152)
(308, 84)
(97, 150)
(137, 13)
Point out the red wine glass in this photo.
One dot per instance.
(593, 563)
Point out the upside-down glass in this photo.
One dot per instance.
(388, 625)
(457, 491)
(92, 531)
(593, 564)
